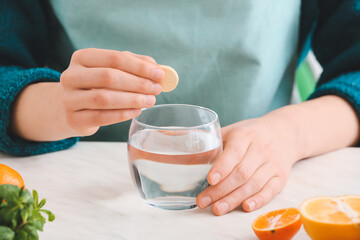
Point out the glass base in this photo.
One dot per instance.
(172, 202)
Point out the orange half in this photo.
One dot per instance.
(332, 218)
(280, 224)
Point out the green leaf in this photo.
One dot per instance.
(42, 203)
(51, 216)
(10, 193)
(26, 198)
(9, 215)
(37, 220)
(36, 215)
(36, 198)
(25, 213)
(31, 231)
(6, 233)
(37, 224)
(21, 234)
(14, 223)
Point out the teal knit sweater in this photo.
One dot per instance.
(330, 27)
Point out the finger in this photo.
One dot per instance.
(144, 57)
(234, 153)
(94, 118)
(106, 99)
(253, 186)
(271, 189)
(87, 78)
(96, 58)
(239, 176)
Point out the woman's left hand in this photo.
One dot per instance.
(254, 166)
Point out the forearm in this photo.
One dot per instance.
(318, 126)
(38, 115)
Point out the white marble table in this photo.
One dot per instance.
(89, 189)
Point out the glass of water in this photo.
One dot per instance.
(171, 149)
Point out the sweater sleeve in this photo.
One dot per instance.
(336, 45)
(23, 53)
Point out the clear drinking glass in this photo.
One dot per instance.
(171, 149)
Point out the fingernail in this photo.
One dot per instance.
(205, 201)
(215, 178)
(149, 100)
(156, 88)
(223, 207)
(251, 205)
(158, 73)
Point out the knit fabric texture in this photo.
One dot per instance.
(16, 80)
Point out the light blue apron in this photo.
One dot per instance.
(237, 57)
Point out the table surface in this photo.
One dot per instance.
(90, 190)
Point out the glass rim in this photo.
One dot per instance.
(177, 128)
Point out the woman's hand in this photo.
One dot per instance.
(253, 168)
(259, 153)
(102, 87)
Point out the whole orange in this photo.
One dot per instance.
(10, 176)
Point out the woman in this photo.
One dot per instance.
(235, 57)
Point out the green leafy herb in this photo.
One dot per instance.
(21, 215)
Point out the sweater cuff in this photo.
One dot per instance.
(12, 81)
(346, 86)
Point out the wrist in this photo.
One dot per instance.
(38, 113)
(61, 125)
(285, 124)
(316, 126)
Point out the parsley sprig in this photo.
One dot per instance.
(21, 213)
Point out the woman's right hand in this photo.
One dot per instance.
(102, 87)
